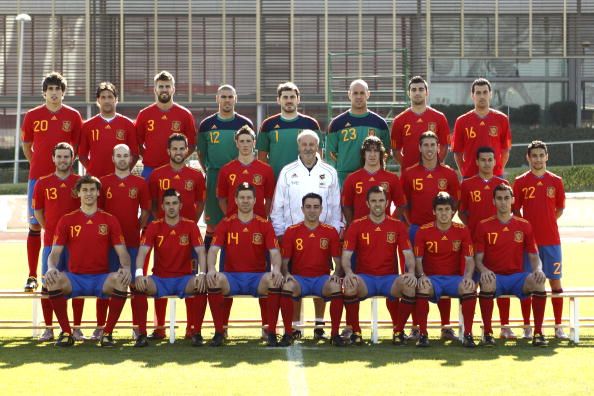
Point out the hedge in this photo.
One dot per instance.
(575, 178)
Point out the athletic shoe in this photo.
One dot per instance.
(560, 334)
(399, 338)
(423, 341)
(217, 340)
(31, 284)
(271, 340)
(106, 341)
(539, 341)
(346, 333)
(488, 340)
(319, 334)
(507, 334)
(527, 333)
(448, 333)
(135, 333)
(414, 334)
(157, 335)
(297, 334)
(197, 340)
(64, 340)
(141, 341)
(356, 339)
(468, 341)
(97, 333)
(48, 335)
(286, 340)
(78, 335)
(337, 340)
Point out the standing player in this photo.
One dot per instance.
(440, 246)
(501, 242)
(44, 127)
(55, 196)
(246, 238)
(88, 274)
(541, 198)
(482, 126)
(347, 131)
(103, 132)
(408, 126)
(174, 239)
(277, 140)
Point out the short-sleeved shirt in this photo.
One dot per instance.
(346, 134)
(407, 128)
(88, 240)
(421, 185)
(504, 244)
(443, 251)
(56, 197)
(216, 138)
(154, 126)
(375, 245)
(356, 185)
(99, 137)
(311, 250)
(257, 173)
(188, 182)
(278, 138)
(123, 198)
(472, 132)
(44, 129)
(539, 198)
(476, 199)
(245, 244)
(172, 246)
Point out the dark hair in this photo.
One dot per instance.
(373, 142)
(63, 146)
(245, 130)
(106, 86)
(171, 192)
(164, 76)
(311, 195)
(503, 187)
(443, 198)
(376, 189)
(537, 144)
(54, 78)
(87, 179)
(287, 86)
(245, 186)
(484, 149)
(417, 80)
(176, 137)
(480, 82)
(428, 135)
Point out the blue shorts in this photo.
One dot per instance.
(445, 285)
(379, 285)
(171, 286)
(114, 260)
(146, 172)
(30, 211)
(550, 255)
(87, 284)
(244, 283)
(62, 263)
(412, 232)
(511, 284)
(312, 285)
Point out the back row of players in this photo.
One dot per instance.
(164, 134)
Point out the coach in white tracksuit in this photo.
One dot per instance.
(308, 174)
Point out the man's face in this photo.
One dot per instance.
(164, 91)
(372, 156)
(417, 94)
(171, 207)
(308, 147)
(107, 102)
(481, 96)
(358, 96)
(178, 151)
(503, 202)
(377, 204)
(226, 100)
(245, 201)
(312, 208)
(245, 144)
(443, 214)
(288, 100)
(429, 149)
(88, 194)
(121, 158)
(62, 160)
(538, 159)
(486, 163)
(53, 95)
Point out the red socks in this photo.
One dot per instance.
(200, 301)
(190, 315)
(468, 302)
(273, 307)
(487, 305)
(407, 305)
(539, 299)
(351, 306)
(160, 311)
(46, 307)
(216, 302)
(77, 310)
(392, 306)
(139, 305)
(228, 303)
(286, 306)
(526, 305)
(116, 304)
(101, 306)
(557, 306)
(59, 304)
(445, 306)
(263, 311)
(336, 305)
(422, 310)
(503, 306)
(33, 247)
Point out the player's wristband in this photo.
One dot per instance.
(201, 273)
(139, 272)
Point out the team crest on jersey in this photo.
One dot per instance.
(175, 126)
(492, 131)
(324, 243)
(432, 127)
(551, 192)
(257, 238)
(257, 180)
(385, 186)
(371, 132)
(442, 184)
(184, 240)
(66, 126)
(102, 229)
(133, 192)
(518, 236)
(456, 245)
(391, 237)
(120, 134)
(189, 185)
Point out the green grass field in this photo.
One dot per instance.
(245, 366)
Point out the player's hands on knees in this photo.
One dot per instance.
(487, 276)
(350, 281)
(200, 283)
(409, 280)
(51, 276)
(141, 284)
(539, 276)
(468, 283)
(423, 282)
(212, 279)
(289, 278)
(277, 278)
(336, 279)
(124, 276)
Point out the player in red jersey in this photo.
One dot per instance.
(88, 274)
(501, 242)
(481, 126)
(408, 126)
(440, 246)
(246, 238)
(191, 185)
(155, 123)
(375, 240)
(174, 239)
(55, 196)
(421, 183)
(103, 132)
(44, 127)
(541, 198)
(246, 168)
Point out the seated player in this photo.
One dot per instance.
(88, 234)
(375, 240)
(246, 238)
(440, 247)
(173, 238)
(500, 244)
(307, 249)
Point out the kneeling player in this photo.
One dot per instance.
(500, 243)
(88, 274)
(375, 239)
(440, 247)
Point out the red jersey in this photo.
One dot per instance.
(245, 244)
(154, 126)
(476, 199)
(407, 128)
(376, 245)
(173, 246)
(188, 182)
(421, 185)
(99, 137)
(443, 251)
(122, 198)
(472, 132)
(539, 198)
(311, 251)
(88, 240)
(356, 185)
(504, 244)
(44, 129)
(257, 173)
(55, 197)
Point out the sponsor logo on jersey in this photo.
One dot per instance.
(133, 192)
(184, 240)
(456, 245)
(551, 192)
(189, 185)
(442, 184)
(257, 238)
(66, 126)
(519, 236)
(432, 127)
(371, 132)
(324, 243)
(257, 180)
(391, 237)
(102, 229)
(175, 126)
(493, 131)
(120, 134)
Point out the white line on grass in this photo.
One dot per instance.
(297, 380)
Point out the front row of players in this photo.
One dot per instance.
(443, 264)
